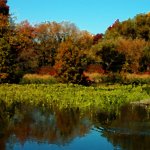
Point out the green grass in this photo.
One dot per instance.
(62, 96)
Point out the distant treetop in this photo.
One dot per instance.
(4, 8)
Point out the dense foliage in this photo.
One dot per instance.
(71, 63)
(24, 48)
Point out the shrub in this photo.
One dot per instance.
(121, 78)
(3, 77)
(136, 79)
(38, 79)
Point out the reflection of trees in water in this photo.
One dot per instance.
(5, 115)
(58, 127)
(2, 142)
(71, 124)
(130, 130)
(127, 141)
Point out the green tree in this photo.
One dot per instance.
(138, 27)
(143, 26)
(108, 56)
(145, 59)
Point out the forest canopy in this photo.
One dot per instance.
(25, 48)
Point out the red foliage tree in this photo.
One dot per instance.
(97, 37)
(4, 9)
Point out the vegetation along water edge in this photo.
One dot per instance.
(102, 97)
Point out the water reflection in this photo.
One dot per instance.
(71, 128)
(58, 127)
(130, 130)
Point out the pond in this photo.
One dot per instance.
(30, 128)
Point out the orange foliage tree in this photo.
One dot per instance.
(71, 62)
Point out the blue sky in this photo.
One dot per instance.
(91, 15)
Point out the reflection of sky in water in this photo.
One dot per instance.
(93, 141)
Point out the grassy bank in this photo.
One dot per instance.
(63, 96)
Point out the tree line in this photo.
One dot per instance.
(24, 48)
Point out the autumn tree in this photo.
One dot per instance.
(70, 63)
(112, 31)
(97, 38)
(7, 53)
(4, 45)
(4, 17)
(12, 45)
(133, 51)
(4, 8)
(70, 30)
(25, 44)
(132, 36)
(47, 39)
(85, 40)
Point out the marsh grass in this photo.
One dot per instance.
(60, 96)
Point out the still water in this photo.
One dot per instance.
(73, 129)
